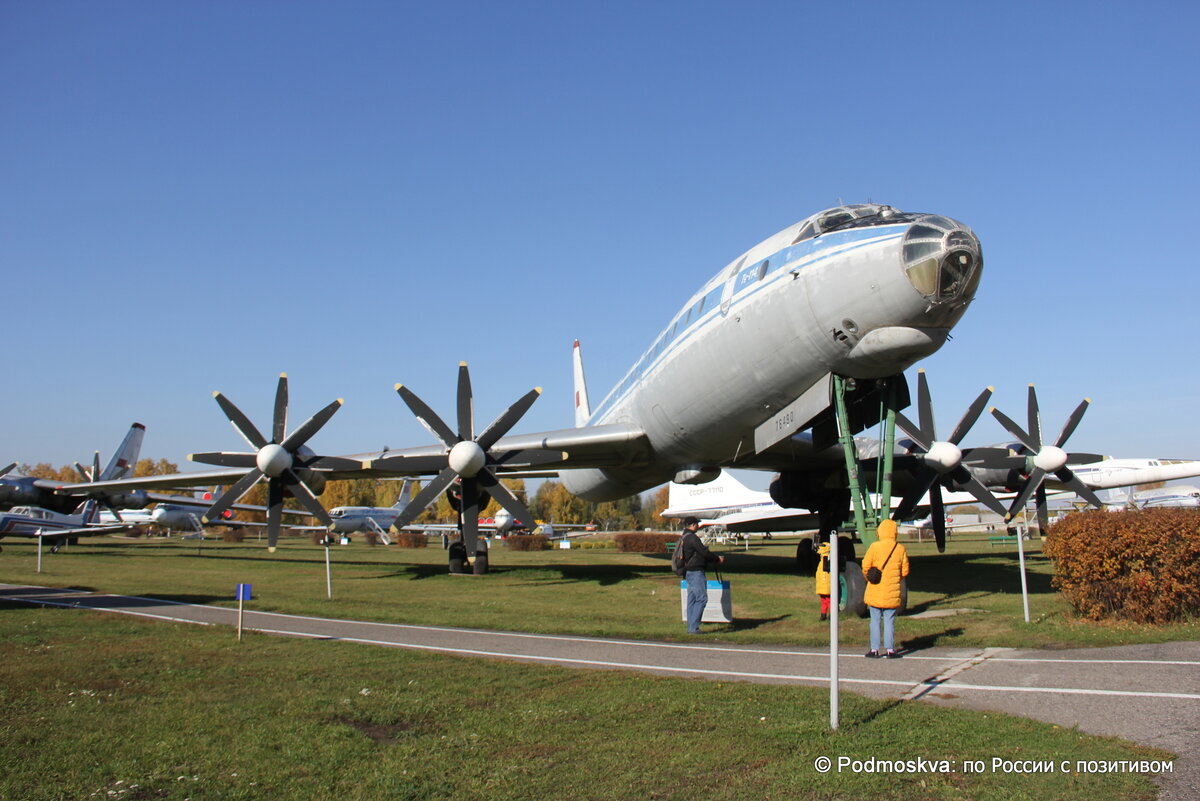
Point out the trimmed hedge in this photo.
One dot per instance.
(644, 542)
(410, 539)
(528, 542)
(1141, 566)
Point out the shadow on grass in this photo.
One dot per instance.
(930, 640)
(746, 624)
(959, 576)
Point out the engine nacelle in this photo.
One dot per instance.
(135, 499)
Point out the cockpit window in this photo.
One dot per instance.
(854, 216)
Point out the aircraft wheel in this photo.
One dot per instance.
(851, 589)
(806, 557)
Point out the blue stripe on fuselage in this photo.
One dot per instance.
(810, 252)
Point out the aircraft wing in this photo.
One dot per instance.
(85, 531)
(610, 445)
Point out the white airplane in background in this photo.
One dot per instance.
(727, 503)
(33, 521)
(1171, 496)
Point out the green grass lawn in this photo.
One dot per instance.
(104, 706)
(590, 592)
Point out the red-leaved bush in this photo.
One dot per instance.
(1139, 566)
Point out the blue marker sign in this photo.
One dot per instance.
(243, 592)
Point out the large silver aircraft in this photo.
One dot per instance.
(739, 377)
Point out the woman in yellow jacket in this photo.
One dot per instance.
(883, 599)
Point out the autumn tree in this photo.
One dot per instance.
(658, 502)
(149, 467)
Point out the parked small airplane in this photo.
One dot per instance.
(33, 521)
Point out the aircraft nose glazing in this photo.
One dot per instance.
(943, 260)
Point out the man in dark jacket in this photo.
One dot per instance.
(696, 557)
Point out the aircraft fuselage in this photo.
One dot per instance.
(865, 298)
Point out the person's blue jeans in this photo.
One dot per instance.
(697, 599)
(889, 628)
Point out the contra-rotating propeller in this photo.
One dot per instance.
(942, 461)
(1041, 458)
(94, 475)
(283, 460)
(469, 459)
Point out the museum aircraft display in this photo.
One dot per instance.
(46, 493)
(742, 376)
(58, 528)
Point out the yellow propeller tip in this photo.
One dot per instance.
(991, 389)
(397, 387)
(283, 375)
(462, 364)
(538, 390)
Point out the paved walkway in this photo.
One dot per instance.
(1149, 694)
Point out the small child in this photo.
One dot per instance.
(823, 575)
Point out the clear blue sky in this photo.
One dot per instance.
(197, 196)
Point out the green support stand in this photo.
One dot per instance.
(866, 515)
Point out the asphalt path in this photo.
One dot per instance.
(1149, 694)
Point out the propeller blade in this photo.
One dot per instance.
(279, 419)
(914, 433)
(504, 497)
(83, 472)
(1035, 479)
(232, 495)
(1042, 508)
(240, 422)
(1035, 419)
(1073, 483)
(115, 512)
(925, 407)
(992, 458)
(981, 493)
(301, 492)
(427, 417)
(225, 459)
(426, 496)
(921, 485)
(95, 465)
(310, 426)
(970, 416)
(1078, 458)
(1016, 430)
(501, 425)
(524, 459)
(470, 514)
(8, 469)
(466, 404)
(938, 510)
(409, 464)
(1073, 421)
(274, 511)
(330, 463)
